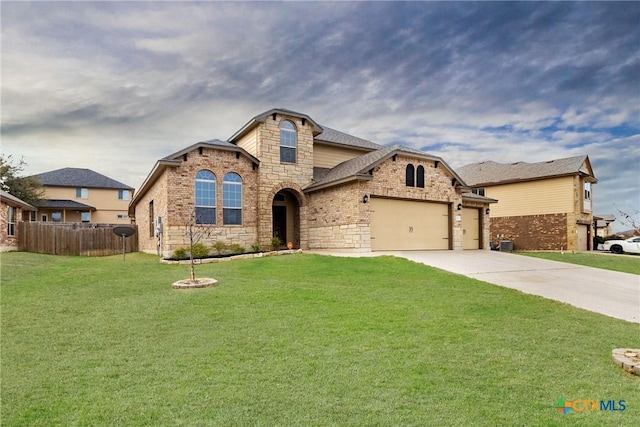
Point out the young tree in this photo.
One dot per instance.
(630, 219)
(194, 232)
(27, 188)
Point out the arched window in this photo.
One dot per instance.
(288, 142)
(205, 197)
(420, 176)
(410, 175)
(232, 199)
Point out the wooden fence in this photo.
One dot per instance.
(73, 239)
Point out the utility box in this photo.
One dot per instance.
(506, 246)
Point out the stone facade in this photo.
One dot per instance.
(333, 217)
(172, 198)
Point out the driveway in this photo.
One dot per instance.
(602, 291)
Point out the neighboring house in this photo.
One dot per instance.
(283, 175)
(542, 206)
(603, 224)
(12, 211)
(82, 195)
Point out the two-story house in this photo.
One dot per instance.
(284, 175)
(82, 195)
(542, 206)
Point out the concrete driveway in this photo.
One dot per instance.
(602, 291)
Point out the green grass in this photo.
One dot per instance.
(625, 264)
(300, 340)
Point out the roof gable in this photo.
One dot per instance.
(360, 167)
(214, 144)
(262, 118)
(77, 177)
(489, 172)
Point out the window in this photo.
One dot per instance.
(56, 216)
(124, 194)
(410, 175)
(287, 142)
(121, 216)
(11, 221)
(420, 176)
(205, 197)
(478, 191)
(32, 216)
(232, 199)
(85, 216)
(82, 193)
(151, 219)
(587, 197)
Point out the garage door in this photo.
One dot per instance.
(470, 228)
(408, 225)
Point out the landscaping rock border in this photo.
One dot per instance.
(233, 257)
(198, 283)
(628, 359)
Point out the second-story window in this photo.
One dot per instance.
(124, 194)
(587, 197)
(411, 172)
(82, 193)
(420, 176)
(288, 142)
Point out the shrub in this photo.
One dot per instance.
(276, 243)
(220, 247)
(237, 248)
(255, 247)
(199, 251)
(180, 253)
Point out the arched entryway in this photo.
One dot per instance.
(286, 218)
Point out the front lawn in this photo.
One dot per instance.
(607, 261)
(298, 340)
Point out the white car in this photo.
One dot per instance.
(631, 245)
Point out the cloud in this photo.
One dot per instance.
(114, 86)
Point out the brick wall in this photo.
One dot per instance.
(532, 232)
(339, 220)
(173, 196)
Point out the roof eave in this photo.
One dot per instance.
(357, 177)
(157, 170)
(338, 144)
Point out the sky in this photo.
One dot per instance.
(115, 86)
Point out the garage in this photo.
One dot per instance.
(408, 225)
(470, 228)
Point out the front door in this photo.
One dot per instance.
(280, 223)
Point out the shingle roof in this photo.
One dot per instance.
(484, 173)
(336, 137)
(12, 200)
(63, 204)
(76, 177)
(214, 144)
(359, 167)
